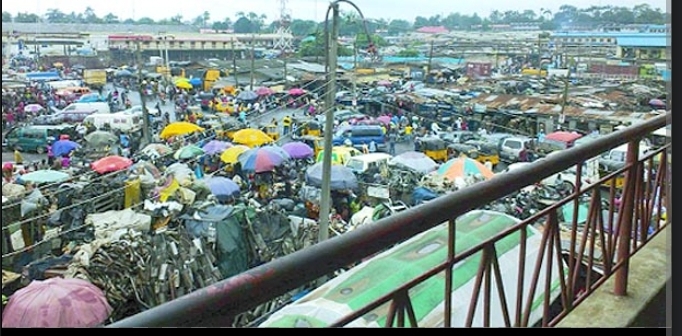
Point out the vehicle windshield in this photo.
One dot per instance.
(355, 165)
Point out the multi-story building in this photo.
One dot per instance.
(648, 44)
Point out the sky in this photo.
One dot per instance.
(302, 9)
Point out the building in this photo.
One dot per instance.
(633, 46)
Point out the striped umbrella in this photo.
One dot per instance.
(463, 166)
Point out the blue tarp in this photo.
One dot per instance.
(43, 76)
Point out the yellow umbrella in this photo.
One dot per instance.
(183, 85)
(179, 128)
(251, 137)
(231, 155)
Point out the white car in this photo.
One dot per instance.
(137, 110)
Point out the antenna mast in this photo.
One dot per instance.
(283, 34)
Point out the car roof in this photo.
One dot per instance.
(372, 157)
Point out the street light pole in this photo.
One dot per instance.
(332, 59)
(253, 60)
(234, 63)
(146, 134)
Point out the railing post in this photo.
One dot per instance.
(625, 216)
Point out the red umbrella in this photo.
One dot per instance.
(296, 92)
(264, 91)
(57, 303)
(111, 164)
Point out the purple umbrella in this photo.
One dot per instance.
(57, 303)
(298, 150)
(384, 119)
(657, 103)
(63, 147)
(216, 147)
(222, 186)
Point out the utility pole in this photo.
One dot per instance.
(355, 74)
(253, 60)
(564, 100)
(428, 69)
(234, 62)
(146, 134)
(286, 71)
(332, 60)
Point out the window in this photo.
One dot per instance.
(513, 144)
(617, 156)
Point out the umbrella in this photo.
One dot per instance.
(45, 176)
(33, 108)
(156, 149)
(63, 147)
(384, 119)
(384, 83)
(247, 95)
(123, 73)
(260, 160)
(57, 303)
(342, 178)
(185, 85)
(277, 150)
(179, 128)
(111, 164)
(222, 186)
(251, 137)
(195, 81)
(188, 152)
(101, 138)
(416, 161)
(298, 150)
(463, 166)
(91, 98)
(216, 147)
(142, 167)
(231, 155)
(264, 91)
(653, 102)
(296, 92)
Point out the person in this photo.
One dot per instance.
(435, 128)
(372, 147)
(365, 147)
(391, 142)
(286, 124)
(18, 158)
(408, 132)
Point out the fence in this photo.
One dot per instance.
(610, 240)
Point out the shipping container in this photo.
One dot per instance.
(478, 69)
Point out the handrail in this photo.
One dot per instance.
(216, 304)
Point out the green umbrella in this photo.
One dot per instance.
(188, 152)
(45, 176)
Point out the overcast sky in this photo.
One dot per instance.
(303, 9)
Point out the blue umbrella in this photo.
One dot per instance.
(123, 73)
(91, 98)
(222, 186)
(216, 147)
(195, 81)
(63, 147)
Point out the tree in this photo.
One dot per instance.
(303, 27)
(111, 19)
(26, 18)
(6, 17)
(176, 20)
(54, 15)
(396, 27)
(243, 26)
(222, 25)
(361, 40)
(206, 17)
(89, 16)
(408, 53)
(316, 46)
(145, 21)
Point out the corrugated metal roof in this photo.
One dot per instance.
(643, 41)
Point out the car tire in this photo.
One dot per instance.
(40, 150)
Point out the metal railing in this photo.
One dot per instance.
(607, 240)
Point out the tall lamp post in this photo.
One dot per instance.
(331, 38)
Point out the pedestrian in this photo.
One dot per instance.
(391, 142)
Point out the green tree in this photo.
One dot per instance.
(303, 27)
(222, 25)
(396, 27)
(146, 21)
(111, 19)
(317, 47)
(27, 18)
(362, 42)
(243, 26)
(408, 53)
(176, 20)
(89, 16)
(6, 17)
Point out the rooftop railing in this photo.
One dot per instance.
(614, 229)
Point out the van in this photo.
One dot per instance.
(33, 138)
(615, 158)
(100, 107)
(116, 121)
(360, 135)
(64, 117)
(363, 163)
(515, 149)
(78, 90)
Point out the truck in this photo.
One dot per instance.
(95, 78)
